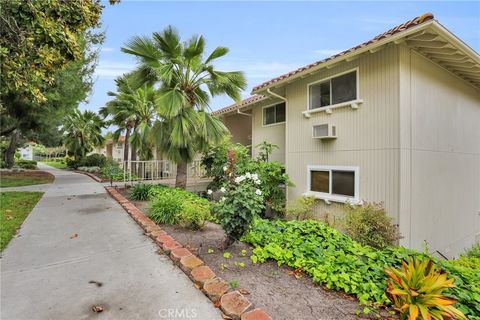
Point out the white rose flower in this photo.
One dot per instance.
(257, 181)
(255, 176)
(209, 191)
(223, 199)
(225, 168)
(258, 192)
(248, 175)
(223, 189)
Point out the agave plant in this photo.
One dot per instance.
(416, 291)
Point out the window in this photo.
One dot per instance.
(274, 114)
(334, 183)
(333, 91)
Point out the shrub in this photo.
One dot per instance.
(176, 206)
(194, 213)
(26, 164)
(417, 289)
(94, 160)
(474, 251)
(301, 209)
(112, 171)
(140, 191)
(73, 163)
(369, 224)
(166, 207)
(241, 202)
(228, 160)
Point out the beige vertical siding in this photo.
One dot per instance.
(443, 190)
(367, 137)
(272, 133)
(240, 127)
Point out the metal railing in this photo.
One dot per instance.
(157, 170)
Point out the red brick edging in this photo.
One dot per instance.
(232, 303)
(91, 175)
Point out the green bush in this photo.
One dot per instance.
(89, 169)
(165, 207)
(140, 191)
(194, 213)
(94, 160)
(301, 209)
(338, 262)
(26, 164)
(369, 224)
(73, 163)
(474, 251)
(241, 202)
(176, 206)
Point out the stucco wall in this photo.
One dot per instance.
(440, 156)
(368, 137)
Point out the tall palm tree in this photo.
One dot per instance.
(187, 81)
(82, 132)
(133, 110)
(120, 110)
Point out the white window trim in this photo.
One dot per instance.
(329, 196)
(328, 109)
(269, 106)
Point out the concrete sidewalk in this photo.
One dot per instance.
(79, 248)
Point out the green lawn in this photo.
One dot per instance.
(14, 208)
(56, 164)
(24, 178)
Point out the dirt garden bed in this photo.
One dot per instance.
(280, 291)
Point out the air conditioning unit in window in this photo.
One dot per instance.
(324, 131)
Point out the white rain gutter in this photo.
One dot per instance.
(243, 113)
(276, 95)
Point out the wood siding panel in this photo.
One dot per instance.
(367, 137)
(445, 159)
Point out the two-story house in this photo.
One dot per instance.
(395, 119)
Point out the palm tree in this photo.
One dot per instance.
(133, 110)
(82, 132)
(187, 81)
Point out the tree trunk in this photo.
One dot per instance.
(133, 157)
(181, 181)
(125, 149)
(10, 151)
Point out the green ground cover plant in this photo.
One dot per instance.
(338, 262)
(14, 208)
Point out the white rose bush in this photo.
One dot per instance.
(241, 201)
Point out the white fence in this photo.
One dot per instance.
(158, 170)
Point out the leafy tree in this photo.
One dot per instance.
(187, 80)
(82, 132)
(38, 39)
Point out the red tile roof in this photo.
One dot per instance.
(404, 26)
(238, 105)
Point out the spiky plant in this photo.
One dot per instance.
(416, 291)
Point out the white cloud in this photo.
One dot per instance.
(327, 52)
(111, 69)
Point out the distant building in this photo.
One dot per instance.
(26, 152)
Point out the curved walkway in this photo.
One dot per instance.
(78, 248)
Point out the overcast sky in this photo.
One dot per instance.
(267, 38)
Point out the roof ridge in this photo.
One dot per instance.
(237, 105)
(399, 28)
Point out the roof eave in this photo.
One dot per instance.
(349, 55)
